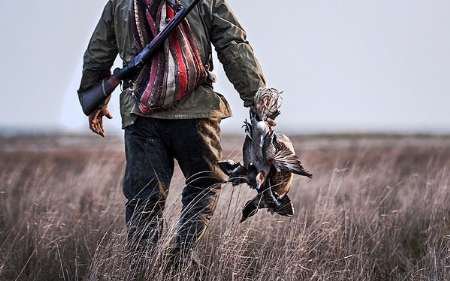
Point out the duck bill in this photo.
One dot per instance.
(260, 179)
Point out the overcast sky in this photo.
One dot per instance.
(349, 65)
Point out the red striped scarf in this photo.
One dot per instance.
(177, 69)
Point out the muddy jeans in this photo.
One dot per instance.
(151, 145)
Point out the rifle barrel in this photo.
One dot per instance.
(148, 51)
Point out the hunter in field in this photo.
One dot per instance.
(169, 108)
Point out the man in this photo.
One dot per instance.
(170, 110)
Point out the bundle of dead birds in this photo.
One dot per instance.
(269, 159)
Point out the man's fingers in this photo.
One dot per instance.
(96, 121)
(97, 126)
(100, 132)
(92, 118)
(94, 125)
(100, 126)
(91, 127)
(107, 113)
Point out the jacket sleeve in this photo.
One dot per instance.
(101, 51)
(235, 52)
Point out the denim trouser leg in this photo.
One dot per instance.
(147, 178)
(198, 159)
(151, 147)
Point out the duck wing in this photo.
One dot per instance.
(285, 159)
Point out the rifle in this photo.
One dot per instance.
(96, 96)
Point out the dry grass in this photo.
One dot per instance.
(377, 209)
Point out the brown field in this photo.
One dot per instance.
(378, 208)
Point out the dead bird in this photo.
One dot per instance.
(269, 159)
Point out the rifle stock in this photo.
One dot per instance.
(96, 96)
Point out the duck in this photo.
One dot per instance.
(269, 159)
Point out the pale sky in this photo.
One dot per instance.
(349, 65)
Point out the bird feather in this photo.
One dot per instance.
(285, 160)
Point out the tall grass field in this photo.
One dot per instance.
(378, 208)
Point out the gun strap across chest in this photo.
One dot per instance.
(177, 69)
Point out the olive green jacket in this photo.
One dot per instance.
(211, 21)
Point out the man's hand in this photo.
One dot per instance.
(96, 120)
